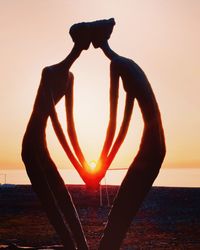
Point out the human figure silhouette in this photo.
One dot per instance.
(56, 82)
(146, 165)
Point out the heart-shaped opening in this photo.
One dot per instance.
(92, 173)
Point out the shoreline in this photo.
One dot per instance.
(168, 177)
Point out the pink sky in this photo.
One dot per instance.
(161, 36)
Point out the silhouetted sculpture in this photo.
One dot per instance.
(145, 167)
(56, 82)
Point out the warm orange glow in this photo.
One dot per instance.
(92, 166)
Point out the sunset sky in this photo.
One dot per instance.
(161, 36)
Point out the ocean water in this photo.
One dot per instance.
(171, 177)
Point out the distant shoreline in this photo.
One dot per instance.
(184, 166)
(168, 177)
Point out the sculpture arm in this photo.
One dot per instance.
(69, 105)
(61, 137)
(114, 90)
(122, 132)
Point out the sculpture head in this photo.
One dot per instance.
(81, 35)
(101, 31)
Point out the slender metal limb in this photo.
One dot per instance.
(114, 91)
(62, 139)
(135, 186)
(122, 132)
(34, 161)
(69, 105)
(65, 204)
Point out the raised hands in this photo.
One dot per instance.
(97, 33)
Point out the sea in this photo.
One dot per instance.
(168, 177)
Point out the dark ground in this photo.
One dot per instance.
(168, 219)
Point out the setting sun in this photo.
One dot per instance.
(92, 165)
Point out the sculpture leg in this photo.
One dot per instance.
(44, 192)
(65, 204)
(132, 192)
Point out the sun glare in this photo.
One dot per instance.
(92, 165)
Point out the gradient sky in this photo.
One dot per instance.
(161, 36)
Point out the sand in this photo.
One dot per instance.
(168, 219)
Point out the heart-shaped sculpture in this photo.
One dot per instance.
(92, 178)
(57, 82)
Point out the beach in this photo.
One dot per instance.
(168, 219)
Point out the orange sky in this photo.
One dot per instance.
(161, 36)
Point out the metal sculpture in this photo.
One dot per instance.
(57, 82)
